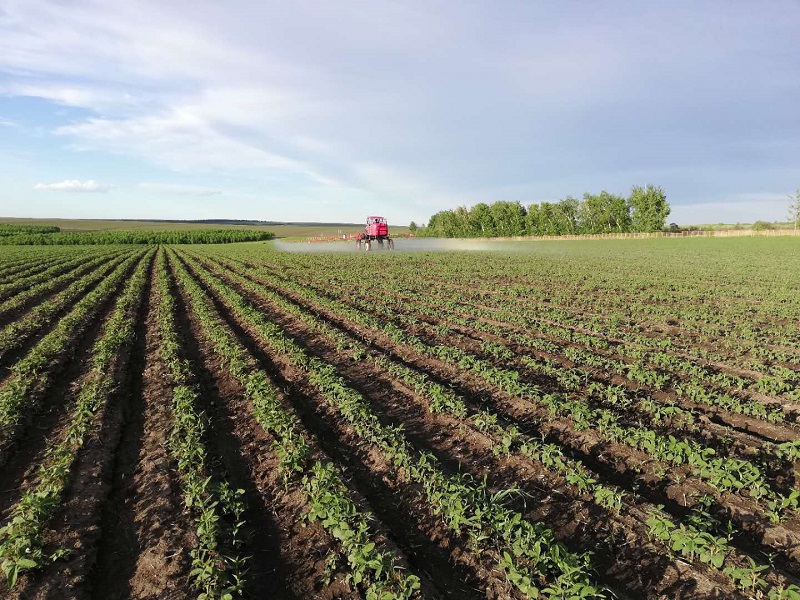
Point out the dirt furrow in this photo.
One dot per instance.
(48, 403)
(613, 462)
(76, 529)
(431, 549)
(147, 533)
(236, 451)
(23, 457)
(81, 271)
(620, 543)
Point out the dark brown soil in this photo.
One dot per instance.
(129, 534)
(377, 483)
(81, 271)
(615, 463)
(288, 555)
(147, 532)
(47, 408)
(77, 524)
(620, 543)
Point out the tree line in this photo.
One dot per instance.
(644, 210)
(191, 236)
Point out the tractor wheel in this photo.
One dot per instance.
(390, 241)
(368, 245)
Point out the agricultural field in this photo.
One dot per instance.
(590, 419)
(290, 231)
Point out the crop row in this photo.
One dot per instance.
(57, 268)
(14, 334)
(186, 236)
(21, 546)
(652, 368)
(21, 298)
(716, 470)
(542, 358)
(216, 574)
(724, 474)
(370, 565)
(546, 328)
(572, 326)
(591, 378)
(695, 539)
(527, 552)
(30, 376)
(699, 315)
(31, 265)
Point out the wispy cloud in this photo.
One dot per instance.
(179, 189)
(73, 185)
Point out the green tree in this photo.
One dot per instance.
(762, 226)
(449, 223)
(649, 208)
(533, 220)
(567, 215)
(604, 213)
(549, 217)
(481, 223)
(412, 227)
(508, 218)
(794, 209)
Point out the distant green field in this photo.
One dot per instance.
(724, 226)
(281, 231)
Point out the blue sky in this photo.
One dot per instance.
(330, 111)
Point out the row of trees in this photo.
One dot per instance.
(645, 209)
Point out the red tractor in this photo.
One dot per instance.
(377, 229)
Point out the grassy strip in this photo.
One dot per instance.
(21, 538)
(533, 561)
(215, 575)
(370, 566)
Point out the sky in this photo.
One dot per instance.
(330, 111)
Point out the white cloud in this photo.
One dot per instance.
(179, 189)
(185, 139)
(73, 185)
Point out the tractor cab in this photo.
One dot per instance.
(377, 229)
